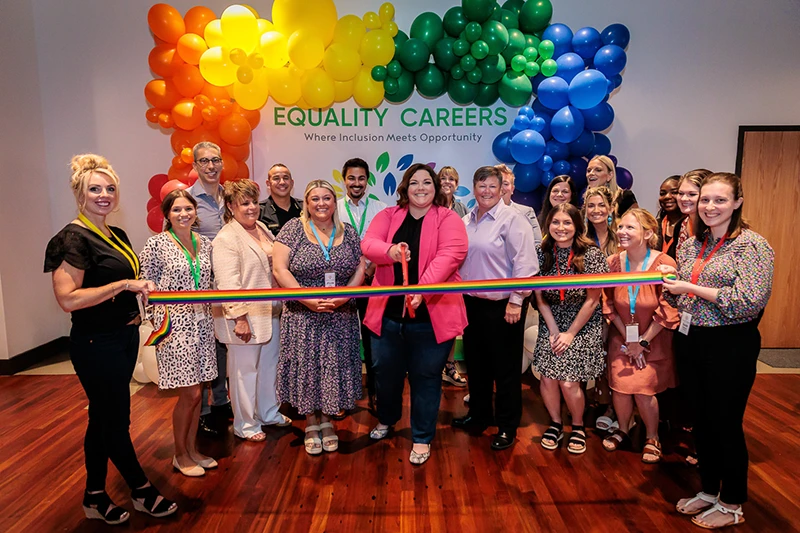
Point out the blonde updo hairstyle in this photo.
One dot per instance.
(83, 166)
(648, 223)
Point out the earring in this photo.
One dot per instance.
(610, 220)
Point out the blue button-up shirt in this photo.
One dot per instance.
(209, 213)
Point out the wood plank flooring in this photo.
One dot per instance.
(371, 486)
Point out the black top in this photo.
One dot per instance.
(625, 202)
(409, 233)
(102, 264)
(274, 217)
(672, 249)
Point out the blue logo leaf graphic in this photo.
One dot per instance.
(471, 204)
(383, 162)
(405, 161)
(389, 184)
(461, 191)
(432, 165)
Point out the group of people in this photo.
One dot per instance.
(307, 352)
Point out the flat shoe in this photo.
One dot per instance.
(208, 463)
(419, 458)
(188, 471)
(503, 440)
(379, 433)
(285, 421)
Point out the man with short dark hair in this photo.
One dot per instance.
(280, 207)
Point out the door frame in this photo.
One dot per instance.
(740, 140)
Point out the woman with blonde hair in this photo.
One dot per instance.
(602, 171)
(448, 177)
(688, 195)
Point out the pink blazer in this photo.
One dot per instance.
(443, 247)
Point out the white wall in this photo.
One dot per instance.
(697, 69)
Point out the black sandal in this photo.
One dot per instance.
(99, 506)
(552, 437)
(577, 440)
(148, 500)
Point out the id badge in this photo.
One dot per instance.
(632, 333)
(330, 279)
(686, 321)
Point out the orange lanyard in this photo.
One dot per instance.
(664, 242)
(700, 263)
(558, 269)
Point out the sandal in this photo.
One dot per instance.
(552, 437)
(450, 375)
(618, 440)
(256, 437)
(419, 458)
(577, 440)
(99, 506)
(738, 517)
(379, 433)
(313, 443)
(606, 423)
(700, 496)
(331, 442)
(651, 454)
(148, 500)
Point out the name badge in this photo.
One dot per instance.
(330, 279)
(632, 333)
(686, 321)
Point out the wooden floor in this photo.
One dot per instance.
(371, 486)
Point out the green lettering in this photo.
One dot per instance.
(458, 116)
(442, 116)
(403, 116)
(426, 118)
(381, 115)
(278, 117)
(299, 121)
(500, 113)
(486, 117)
(311, 115)
(471, 113)
(330, 118)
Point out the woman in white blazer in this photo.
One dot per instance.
(242, 259)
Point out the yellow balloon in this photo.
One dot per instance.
(302, 104)
(386, 12)
(317, 88)
(296, 71)
(217, 68)
(391, 27)
(283, 87)
(213, 34)
(349, 31)
(371, 20)
(254, 94)
(238, 56)
(341, 62)
(264, 26)
(317, 16)
(273, 49)
(305, 49)
(367, 92)
(251, 8)
(343, 90)
(377, 48)
(239, 28)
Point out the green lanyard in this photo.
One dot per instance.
(194, 266)
(363, 216)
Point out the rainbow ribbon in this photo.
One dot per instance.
(539, 283)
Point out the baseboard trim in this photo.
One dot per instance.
(25, 360)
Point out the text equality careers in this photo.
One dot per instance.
(409, 117)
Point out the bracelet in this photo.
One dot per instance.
(126, 284)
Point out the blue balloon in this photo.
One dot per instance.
(547, 177)
(538, 124)
(602, 145)
(557, 151)
(617, 34)
(527, 147)
(526, 111)
(611, 87)
(614, 160)
(545, 163)
(521, 122)
(546, 133)
(561, 167)
(554, 93)
(588, 89)
(542, 111)
(582, 145)
(610, 60)
(586, 42)
(578, 171)
(567, 124)
(501, 148)
(535, 81)
(599, 117)
(527, 177)
(569, 65)
(624, 178)
(617, 80)
(561, 36)
(531, 199)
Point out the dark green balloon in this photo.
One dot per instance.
(430, 81)
(473, 32)
(457, 72)
(497, 13)
(492, 68)
(428, 28)
(478, 10)
(460, 47)
(454, 21)
(379, 73)
(516, 44)
(514, 5)
(462, 91)
(468, 63)
(487, 94)
(479, 49)
(443, 54)
(534, 15)
(509, 19)
(390, 86)
(530, 53)
(394, 69)
(532, 40)
(549, 67)
(474, 76)
(400, 38)
(413, 54)
(405, 86)
(518, 63)
(495, 35)
(515, 89)
(546, 49)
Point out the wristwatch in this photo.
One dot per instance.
(643, 343)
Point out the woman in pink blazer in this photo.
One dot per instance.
(434, 242)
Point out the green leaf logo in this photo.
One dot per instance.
(383, 162)
(371, 179)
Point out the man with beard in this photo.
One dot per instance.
(280, 207)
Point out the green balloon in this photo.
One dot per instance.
(531, 68)
(430, 81)
(495, 35)
(428, 28)
(460, 47)
(518, 63)
(473, 31)
(516, 44)
(400, 38)
(390, 86)
(462, 91)
(468, 63)
(478, 10)
(413, 54)
(534, 15)
(530, 53)
(474, 76)
(496, 13)
(405, 86)
(394, 69)
(509, 19)
(479, 49)
(515, 89)
(443, 54)
(457, 72)
(492, 68)
(514, 5)
(532, 40)
(487, 94)
(454, 21)
(549, 67)
(379, 73)
(546, 49)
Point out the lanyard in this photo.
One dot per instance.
(558, 269)
(700, 264)
(363, 216)
(404, 264)
(325, 251)
(124, 249)
(664, 242)
(194, 266)
(634, 293)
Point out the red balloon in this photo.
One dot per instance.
(155, 184)
(190, 178)
(170, 186)
(178, 173)
(155, 219)
(152, 202)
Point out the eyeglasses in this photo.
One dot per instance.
(204, 161)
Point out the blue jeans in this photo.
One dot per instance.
(412, 348)
(219, 386)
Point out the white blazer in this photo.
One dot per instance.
(240, 263)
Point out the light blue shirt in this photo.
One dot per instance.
(209, 212)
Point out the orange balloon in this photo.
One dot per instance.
(152, 115)
(161, 93)
(202, 100)
(166, 121)
(187, 115)
(186, 155)
(210, 114)
(191, 47)
(252, 116)
(176, 177)
(205, 133)
(180, 140)
(164, 59)
(225, 108)
(240, 152)
(190, 178)
(214, 93)
(244, 171)
(188, 80)
(197, 18)
(166, 22)
(235, 129)
(177, 162)
(230, 169)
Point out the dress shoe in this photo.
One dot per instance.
(206, 428)
(189, 471)
(470, 423)
(222, 411)
(503, 440)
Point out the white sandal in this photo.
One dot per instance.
(738, 516)
(330, 443)
(701, 496)
(606, 423)
(313, 443)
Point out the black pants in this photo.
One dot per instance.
(723, 360)
(104, 364)
(493, 354)
(366, 335)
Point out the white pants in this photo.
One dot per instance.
(252, 375)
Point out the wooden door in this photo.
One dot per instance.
(769, 164)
